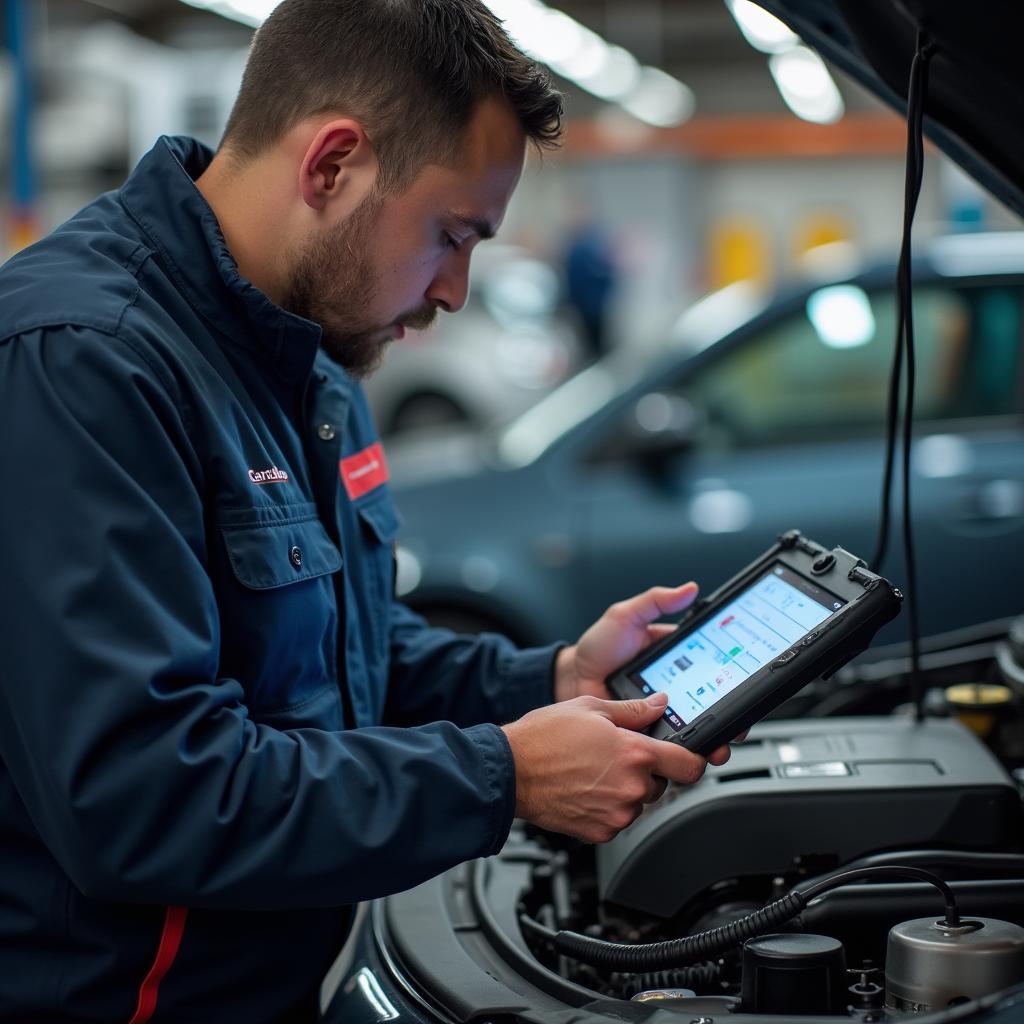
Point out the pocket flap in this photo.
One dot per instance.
(382, 518)
(276, 554)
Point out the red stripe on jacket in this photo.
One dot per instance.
(170, 940)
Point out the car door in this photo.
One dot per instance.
(789, 432)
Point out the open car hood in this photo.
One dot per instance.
(974, 107)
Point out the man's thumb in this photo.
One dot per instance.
(637, 713)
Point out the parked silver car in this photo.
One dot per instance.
(507, 348)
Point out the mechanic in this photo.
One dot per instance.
(219, 730)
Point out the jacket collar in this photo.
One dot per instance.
(162, 197)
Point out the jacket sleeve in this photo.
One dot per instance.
(437, 674)
(137, 762)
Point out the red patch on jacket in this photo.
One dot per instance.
(364, 471)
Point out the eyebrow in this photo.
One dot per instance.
(477, 224)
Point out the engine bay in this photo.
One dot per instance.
(872, 817)
(797, 803)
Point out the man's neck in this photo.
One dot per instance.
(247, 208)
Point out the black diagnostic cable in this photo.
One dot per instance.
(905, 351)
(674, 953)
(700, 977)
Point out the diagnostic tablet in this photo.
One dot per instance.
(796, 613)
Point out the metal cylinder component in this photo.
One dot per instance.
(929, 965)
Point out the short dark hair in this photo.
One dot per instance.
(411, 71)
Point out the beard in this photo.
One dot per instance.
(333, 282)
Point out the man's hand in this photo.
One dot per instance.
(583, 767)
(624, 630)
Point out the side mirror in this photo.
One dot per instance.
(658, 429)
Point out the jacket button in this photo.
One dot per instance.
(295, 557)
(325, 432)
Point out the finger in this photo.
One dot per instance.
(656, 789)
(658, 630)
(677, 763)
(720, 756)
(742, 736)
(654, 603)
(635, 714)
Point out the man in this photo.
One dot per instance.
(590, 273)
(219, 731)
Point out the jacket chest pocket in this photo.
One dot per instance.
(379, 524)
(272, 555)
(278, 611)
(370, 574)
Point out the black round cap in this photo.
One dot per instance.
(794, 974)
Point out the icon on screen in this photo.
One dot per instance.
(837, 604)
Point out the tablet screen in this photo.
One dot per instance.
(772, 614)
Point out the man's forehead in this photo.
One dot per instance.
(471, 197)
(490, 160)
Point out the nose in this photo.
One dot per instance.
(450, 287)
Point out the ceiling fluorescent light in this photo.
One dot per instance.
(806, 86)
(762, 30)
(559, 38)
(567, 47)
(586, 60)
(616, 76)
(582, 56)
(800, 74)
(249, 12)
(659, 99)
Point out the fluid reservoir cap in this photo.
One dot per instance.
(977, 705)
(978, 696)
(929, 965)
(793, 973)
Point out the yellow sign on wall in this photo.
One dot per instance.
(739, 250)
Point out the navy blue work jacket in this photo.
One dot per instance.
(218, 729)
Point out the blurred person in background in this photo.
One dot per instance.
(219, 731)
(590, 278)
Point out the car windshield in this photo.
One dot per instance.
(703, 324)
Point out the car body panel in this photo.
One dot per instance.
(975, 90)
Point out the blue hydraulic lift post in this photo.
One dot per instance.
(23, 222)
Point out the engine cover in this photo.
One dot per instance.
(841, 787)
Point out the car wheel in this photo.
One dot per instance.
(427, 409)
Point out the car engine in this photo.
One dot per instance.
(890, 845)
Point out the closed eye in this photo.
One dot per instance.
(451, 242)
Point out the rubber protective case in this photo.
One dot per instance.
(871, 602)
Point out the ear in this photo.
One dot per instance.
(338, 160)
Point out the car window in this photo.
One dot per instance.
(700, 326)
(822, 373)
